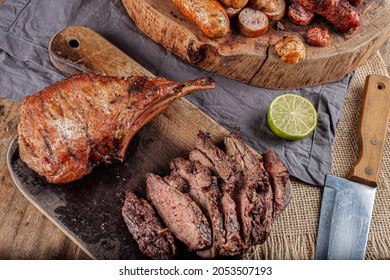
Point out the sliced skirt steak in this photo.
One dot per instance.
(203, 189)
(180, 213)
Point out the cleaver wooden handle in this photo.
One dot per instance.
(372, 130)
(77, 49)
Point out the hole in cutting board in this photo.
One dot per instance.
(380, 86)
(73, 43)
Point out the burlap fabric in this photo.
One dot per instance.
(294, 233)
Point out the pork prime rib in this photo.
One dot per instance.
(75, 124)
(152, 238)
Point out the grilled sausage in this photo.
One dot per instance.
(252, 23)
(290, 49)
(208, 15)
(232, 12)
(279, 13)
(340, 13)
(317, 36)
(299, 15)
(264, 5)
(236, 4)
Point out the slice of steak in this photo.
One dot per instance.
(203, 189)
(196, 155)
(152, 238)
(262, 211)
(254, 196)
(233, 245)
(279, 176)
(177, 182)
(180, 213)
(219, 163)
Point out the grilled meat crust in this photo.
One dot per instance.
(152, 238)
(220, 165)
(71, 126)
(279, 176)
(203, 189)
(219, 202)
(254, 198)
(340, 13)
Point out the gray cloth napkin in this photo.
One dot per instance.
(26, 27)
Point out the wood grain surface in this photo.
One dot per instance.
(372, 130)
(253, 60)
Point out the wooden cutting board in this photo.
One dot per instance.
(89, 210)
(253, 60)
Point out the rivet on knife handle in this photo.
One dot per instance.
(372, 129)
(77, 49)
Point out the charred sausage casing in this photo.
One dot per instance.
(340, 13)
(208, 15)
(290, 49)
(318, 36)
(264, 5)
(299, 15)
(236, 4)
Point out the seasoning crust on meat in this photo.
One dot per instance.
(71, 126)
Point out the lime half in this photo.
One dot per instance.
(292, 117)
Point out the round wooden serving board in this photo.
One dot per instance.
(253, 60)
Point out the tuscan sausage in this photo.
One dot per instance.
(290, 49)
(317, 36)
(208, 15)
(340, 13)
(232, 12)
(264, 5)
(236, 4)
(299, 15)
(279, 13)
(252, 23)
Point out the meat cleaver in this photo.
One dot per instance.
(347, 205)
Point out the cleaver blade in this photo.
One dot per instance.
(347, 205)
(345, 219)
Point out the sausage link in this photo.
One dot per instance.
(252, 23)
(299, 15)
(208, 15)
(317, 36)
(236, 4)
(340, 13)
(265, 5)
(291, 49)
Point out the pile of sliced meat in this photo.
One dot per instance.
(217, 202)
